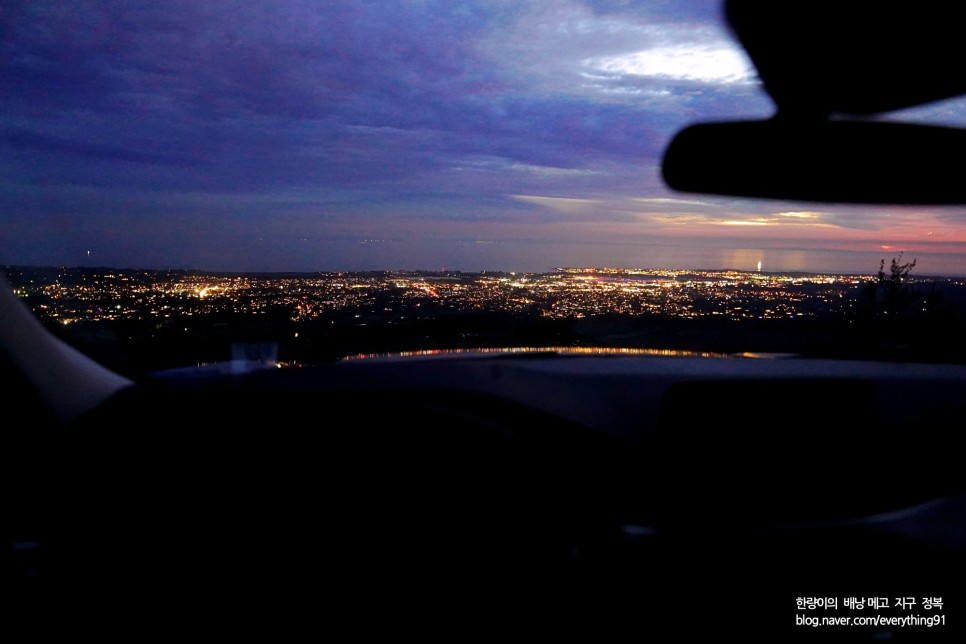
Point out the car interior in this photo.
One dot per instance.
(549, 492)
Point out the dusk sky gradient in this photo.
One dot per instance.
(338, 135)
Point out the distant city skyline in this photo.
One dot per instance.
(154, 320)
(536, 257)
(70, 295)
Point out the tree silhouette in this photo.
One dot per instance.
(888, 295)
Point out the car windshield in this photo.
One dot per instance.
(286, 183)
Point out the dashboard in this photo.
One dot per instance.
(623, 491)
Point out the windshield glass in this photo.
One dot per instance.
(286, 183)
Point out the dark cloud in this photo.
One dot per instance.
(25, 140)
(677, 10)
(236, 114)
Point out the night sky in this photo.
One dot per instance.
(390, 134)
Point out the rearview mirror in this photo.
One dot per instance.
(821, 160)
